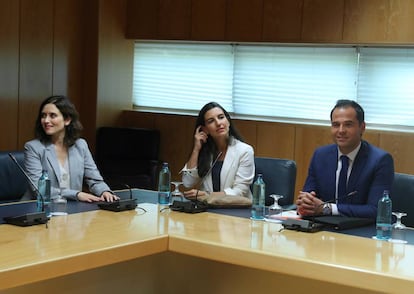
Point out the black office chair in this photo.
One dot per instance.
(402, 196)
(13, 184)
(279, 176)
(128, 156)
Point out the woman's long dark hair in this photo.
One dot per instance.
(68, 110)
(209, 149)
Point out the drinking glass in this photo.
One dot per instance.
(177, 193)
(398, 229)
(275, 209)
(59, 204)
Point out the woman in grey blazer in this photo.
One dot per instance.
(59, 149)
(221, 167)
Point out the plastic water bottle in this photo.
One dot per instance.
(164, 187)
(258, 205)
(384, 215)
(44, 189)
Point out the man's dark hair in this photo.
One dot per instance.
(343, 103)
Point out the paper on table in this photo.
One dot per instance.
(278, 218)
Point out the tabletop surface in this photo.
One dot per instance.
(105, 237)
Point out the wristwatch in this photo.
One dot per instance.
(327, 209)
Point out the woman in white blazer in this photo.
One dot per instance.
(59, 149)
(221, 167)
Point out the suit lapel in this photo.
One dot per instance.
(332, 166)
(51, 158)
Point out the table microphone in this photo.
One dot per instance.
(118, 205)
(194, 206)
(28, 219)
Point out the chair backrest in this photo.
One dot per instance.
(402, 196)
(279, 176)
(128, 156)
(13, 183)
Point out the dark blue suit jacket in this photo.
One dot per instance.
(372, 173)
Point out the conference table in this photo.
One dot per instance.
(219, 251)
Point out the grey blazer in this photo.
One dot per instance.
(39, 156)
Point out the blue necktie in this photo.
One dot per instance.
(343, 175)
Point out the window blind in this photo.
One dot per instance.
(276, 82)
(386, 85)
(295, 82)
(182, 76)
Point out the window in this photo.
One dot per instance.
(386, 85)
(292, 82)
(182, 77)
(276, 82)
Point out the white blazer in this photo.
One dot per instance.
(39, 156)
(236, 174)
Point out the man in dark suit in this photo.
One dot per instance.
(366, 170)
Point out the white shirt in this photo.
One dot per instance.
(64, 181)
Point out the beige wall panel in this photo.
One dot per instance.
(323, 20)
(208, 20)
(365, 21)
(244, 20)
(248, 131)
(174, 20)
(275, 140)
(282, 20)
(373, 137)
(36, 58)
(142, 19)
(401, 147)
(68, 50)
(308, 138)
(176, 140)
(9, 75)
(401, 21)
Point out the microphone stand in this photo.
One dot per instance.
(194, 206)
(28, 219)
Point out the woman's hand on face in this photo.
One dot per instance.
(200, 137)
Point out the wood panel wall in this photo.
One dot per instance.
(71, 47)
(41, 53)
(9, 73)
(325, 21)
